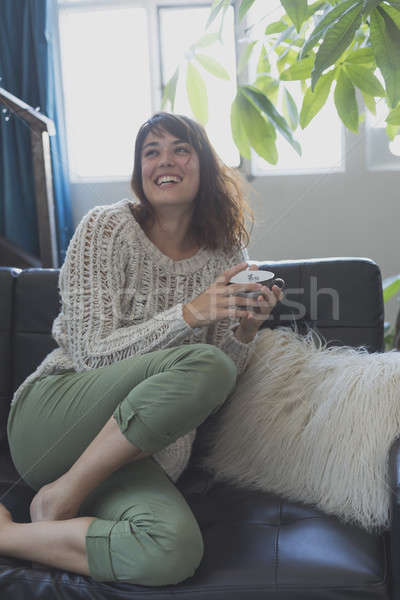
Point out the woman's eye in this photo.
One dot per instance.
(149, 153)
(182, 149)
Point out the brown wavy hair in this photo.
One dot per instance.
(220, 207)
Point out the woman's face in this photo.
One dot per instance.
(170, 170)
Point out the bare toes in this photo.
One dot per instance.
(5, 515)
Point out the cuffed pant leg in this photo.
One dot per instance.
(181, 390)
(153, 540)
(155, 398)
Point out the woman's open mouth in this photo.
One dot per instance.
(167, 180)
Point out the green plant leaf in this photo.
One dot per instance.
(393, 117)
(296, 10)
(370, 5)
(206, 40)
(369, 102)
(345, 101)
(337, 38)
(263, 65)
(245, 55)
(197, 94)
(238, 132)
(386, 47)
(212, 66)
(265, 106)
(361, 37)
(389, 342)
(325, 22)
(170, 91)
(300, 70)
(289, 110)
(244, 7)
(316, 6)
(390, 286)
(216, 8)
(386, 326)
(313, 101)
(364, 79)
(288, 57)
(393, 13)
(276, 27)
(298, 41)
(268, 86)
(361, 56)
(259, 131)
(392, 131)
(288, 33)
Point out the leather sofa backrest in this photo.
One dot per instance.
(29, 303)
(341, 297)
(7, 283)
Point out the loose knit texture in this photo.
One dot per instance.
(122, 297)
(313, 424)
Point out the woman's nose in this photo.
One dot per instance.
(166, 158)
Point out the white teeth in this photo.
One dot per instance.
(167, 179)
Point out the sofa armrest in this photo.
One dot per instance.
(394, 482)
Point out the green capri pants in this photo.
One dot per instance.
(144, 532)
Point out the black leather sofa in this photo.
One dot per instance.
(257, 546)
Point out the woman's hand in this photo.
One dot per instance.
(219, 300)
(251, 322)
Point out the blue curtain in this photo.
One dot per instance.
(30, 69)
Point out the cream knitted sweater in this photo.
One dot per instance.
(122, 297)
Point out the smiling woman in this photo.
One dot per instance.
(209, 196)
(151, 334)
(169, 163)
(170, 179)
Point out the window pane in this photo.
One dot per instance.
(107, 90)
(322, 140)
(381, 152)
(180, 27)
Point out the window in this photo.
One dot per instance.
(190, 23)
(115, 57)
(382, 154)
(319, 153)
(107, 93)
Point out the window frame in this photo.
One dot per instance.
(152, 8)
(162, 5)
(248, 165)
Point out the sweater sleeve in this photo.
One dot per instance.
(91, 286)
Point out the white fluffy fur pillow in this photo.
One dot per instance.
(313, 424)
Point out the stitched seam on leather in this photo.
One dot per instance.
(13, 330)
(276, 554)
(387, 555)
(206, 589)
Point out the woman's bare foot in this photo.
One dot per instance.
(5, 516)
(54, 502)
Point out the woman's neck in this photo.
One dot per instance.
(172, 237)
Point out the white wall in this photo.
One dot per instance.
(355, 213)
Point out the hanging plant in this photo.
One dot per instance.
(330, 47)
